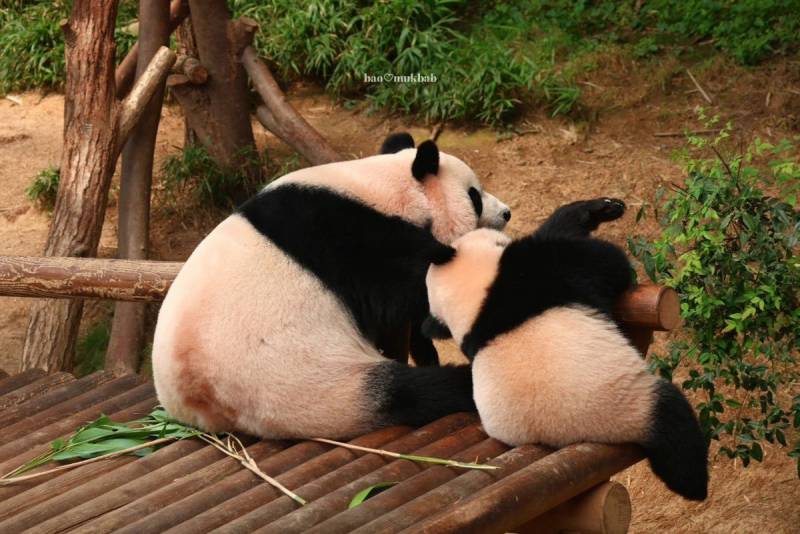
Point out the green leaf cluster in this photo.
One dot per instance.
(729, 246)
(104, 436)
(32, 44)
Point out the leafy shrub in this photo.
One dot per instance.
(479, 73)
(729, 246)
(32, 45)
(748, 30)
(195, 170)
(44, 188)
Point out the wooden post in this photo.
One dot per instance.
(127, 328)
(95, 126)
(218, 111)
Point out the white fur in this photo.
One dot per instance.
(564, 377)
(249, 340)
(275, 349)
(494, 212)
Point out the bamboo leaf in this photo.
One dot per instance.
(371, 491)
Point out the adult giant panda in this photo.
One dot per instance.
(549, 364)
(271, 325)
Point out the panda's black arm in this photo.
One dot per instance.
(580, 219)
(422, 349)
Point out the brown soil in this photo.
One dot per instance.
(614, 153)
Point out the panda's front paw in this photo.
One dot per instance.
(604, 209)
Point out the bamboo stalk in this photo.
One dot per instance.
(247, 461)
(6, 479)
(412, 457)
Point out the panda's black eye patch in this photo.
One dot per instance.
(477, 201)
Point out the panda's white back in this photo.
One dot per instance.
(565, 376)
(253, 335)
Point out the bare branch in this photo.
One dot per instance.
(152, 78)
(279, 117)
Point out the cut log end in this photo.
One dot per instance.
(604, 509)
(650, 306)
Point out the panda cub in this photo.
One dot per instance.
(549, 364)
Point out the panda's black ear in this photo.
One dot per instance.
(440, 254)
(397, 142)
(433, 328)
(427, 160)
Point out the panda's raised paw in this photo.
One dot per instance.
(604, 209)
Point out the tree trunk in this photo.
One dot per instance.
(219, 110)
(187, 46)
(127, 330)
(87, 163)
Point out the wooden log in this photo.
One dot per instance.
(214, 505)
(35, 389)
(54, 396)
(145, 474)
(14, 382)
(126, 71)
(54, 277)
(650, 306)
(275, 506)
(604, 509)
(279, 518)
(412, 488)
(127, 329)
(534, 489)
(279, 117)
(458, 489)
(118, 518)
(66, 417)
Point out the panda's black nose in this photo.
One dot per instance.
(507, 215)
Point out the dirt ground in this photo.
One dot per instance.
(609, 150)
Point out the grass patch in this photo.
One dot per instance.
(490, 59)
(44, 188)
(32, 45)
(195, 171)
(90, 353)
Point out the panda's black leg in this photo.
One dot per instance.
(581, 218)
(422, 349)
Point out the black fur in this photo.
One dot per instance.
(435, 329)
(676, 447)
(426, 161)
(421, 347)
(536, 274)
(397, 142)
(415, 396)
(477, 202)
(581, 218)
(375, 264)
(556, 266)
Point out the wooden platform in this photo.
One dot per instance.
(188, 486)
